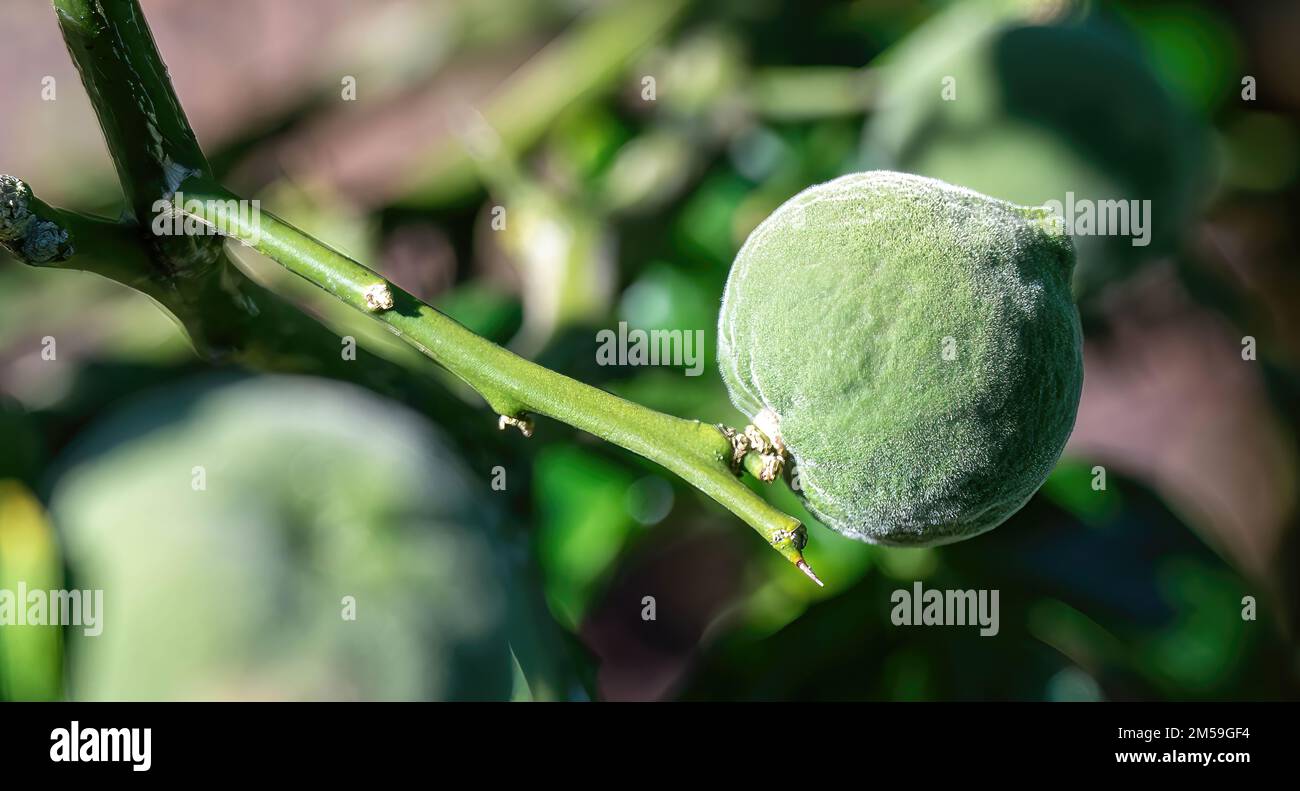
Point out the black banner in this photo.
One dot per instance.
(239, 740)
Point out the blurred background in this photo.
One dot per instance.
(229, 515)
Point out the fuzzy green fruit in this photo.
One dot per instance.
(915, 345)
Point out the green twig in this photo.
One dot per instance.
(159, 160)
(146, 130)
(514, 387)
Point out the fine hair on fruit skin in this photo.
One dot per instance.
(917, 347)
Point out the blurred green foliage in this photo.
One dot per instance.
(631, 210)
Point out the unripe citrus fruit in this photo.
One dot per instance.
(915, 345)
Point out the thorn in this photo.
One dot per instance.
(806, 569)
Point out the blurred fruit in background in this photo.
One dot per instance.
(31, 652)
(997, 98)
(282, 537)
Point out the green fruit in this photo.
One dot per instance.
(915, 345)
(229, 525)
(981, 96)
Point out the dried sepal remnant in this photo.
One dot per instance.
(764, 436)
(766, 443)
(926, 370)
(523, 423)
(378, 297)
(31, 238)
(772, 466)
(739, 446)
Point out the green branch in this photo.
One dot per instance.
(144, 126)
(273, 334)
(228, 316)
(153, 148)
(514, 387)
